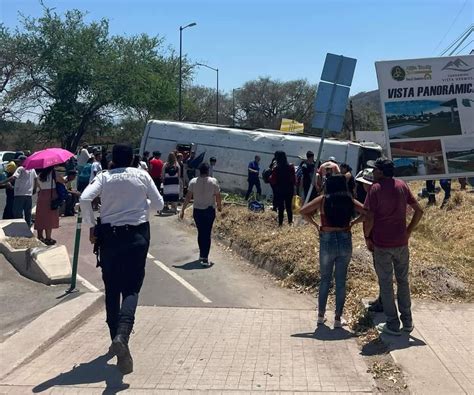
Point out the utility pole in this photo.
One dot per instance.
(353, 137)
(180, 100)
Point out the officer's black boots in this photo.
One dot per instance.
(121, 350)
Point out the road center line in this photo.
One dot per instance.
(181, 280)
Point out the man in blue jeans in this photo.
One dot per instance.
(24, 189)
(387, 235)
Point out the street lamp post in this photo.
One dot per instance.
(180, 105)
(217, 88)
(233, 105)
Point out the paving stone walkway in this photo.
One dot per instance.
(183, 350)
(438, 357)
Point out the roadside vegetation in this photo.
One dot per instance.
(441, 248)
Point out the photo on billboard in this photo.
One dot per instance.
(460, 154)
(418, 158)
(422, 119)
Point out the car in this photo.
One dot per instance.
(7, 156)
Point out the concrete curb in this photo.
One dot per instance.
(38, 335)
(47, 265)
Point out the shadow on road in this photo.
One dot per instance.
(323, 332)
(193, 265)
(95, 371)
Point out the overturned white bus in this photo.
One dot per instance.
(235, 148)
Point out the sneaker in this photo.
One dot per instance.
(124, 358)
(321, 320)
(385, 329)
(204, 262)
(339, 323)
(408, 328)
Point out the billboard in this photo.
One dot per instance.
(427, 108)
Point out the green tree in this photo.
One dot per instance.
(199, 105)
(10, 68)
(262, 103)
(78, 75)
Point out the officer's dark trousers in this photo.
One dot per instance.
(123, 256)
(204, 220)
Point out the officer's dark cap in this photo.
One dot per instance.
(122, 155)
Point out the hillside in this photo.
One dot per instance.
(367, 111)
(370, 99)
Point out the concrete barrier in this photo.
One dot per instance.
(47, 265)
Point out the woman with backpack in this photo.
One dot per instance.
(47, 217)
(170, 179)
(84, 175)
(336, 207)
(283, 180)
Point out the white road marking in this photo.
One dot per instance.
(181, 280)
(87, 284)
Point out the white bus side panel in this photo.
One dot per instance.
(235, 148)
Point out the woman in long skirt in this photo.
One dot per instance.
(46, 218)
(170, 179)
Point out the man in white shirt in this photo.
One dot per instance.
(96, 165)
(25, 187)
(83, 157)
(123, 237)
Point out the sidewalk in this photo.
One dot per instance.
(187, 349)
(438, 356)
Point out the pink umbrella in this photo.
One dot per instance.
(46, 158)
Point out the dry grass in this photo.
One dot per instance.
(442, 251)
(24, 242)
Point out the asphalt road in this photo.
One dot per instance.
(33, 299)
(174, 278)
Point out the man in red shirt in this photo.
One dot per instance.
(387, 235)
(156, 167)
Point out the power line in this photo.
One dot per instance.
(452, 24)
(463, 48)
(458, 42)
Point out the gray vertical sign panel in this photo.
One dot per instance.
(346, 72)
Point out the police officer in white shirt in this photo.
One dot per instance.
(127, 194)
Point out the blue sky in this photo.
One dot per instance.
(285, 40)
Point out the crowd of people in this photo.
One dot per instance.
(381, 205)
(373, 197)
